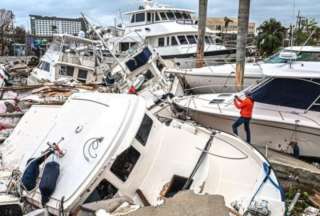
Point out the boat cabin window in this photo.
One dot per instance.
(66, 70)
(186, 16)
(140, 17)
(178, 15)
(182, 39)
(174, 41)
(105, 190)
(144, 130)
(149, 17)
(170, 15)
(191, 39)
(44, 66)
(124, 46)
(209, 40)
(124, 163)
(302, 56)
(295, 93)
(82, 75)
(157, 18)
(133, 18)
(163, 16)
(161, 42)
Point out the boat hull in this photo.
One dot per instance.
(267, 134)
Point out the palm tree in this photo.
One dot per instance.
(270, 37)
(203, 4)
(243, 24)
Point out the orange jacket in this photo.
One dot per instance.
(245, 106)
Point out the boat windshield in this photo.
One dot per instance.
(302, 56)
(289, 92)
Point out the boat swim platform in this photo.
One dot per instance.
(289, 168)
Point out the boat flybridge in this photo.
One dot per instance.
(71, 58)
(172, 32)
(221, 78)
(286, 114)
(114, 148)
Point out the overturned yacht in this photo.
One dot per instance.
(113, 147)
(286, 114)
(71, 58)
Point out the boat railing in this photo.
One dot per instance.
(316, 102)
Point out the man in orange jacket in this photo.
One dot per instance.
(246, 107)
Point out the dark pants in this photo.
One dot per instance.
(246, 122)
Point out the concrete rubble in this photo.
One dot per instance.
(186, 203)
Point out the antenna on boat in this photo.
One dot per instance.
(102, 41)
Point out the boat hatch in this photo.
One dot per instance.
(139, 60)
(216, 101)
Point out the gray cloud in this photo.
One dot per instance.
(104, 11)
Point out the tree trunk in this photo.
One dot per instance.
(203, 4)
(243, 24)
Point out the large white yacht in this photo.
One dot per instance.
(286, 115)
(221, 78)
(172, 32)
(114, 147)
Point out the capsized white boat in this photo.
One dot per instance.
(114, 148)
(221, 78)
(71, 58)
(286, 114)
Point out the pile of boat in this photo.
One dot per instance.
(101, 137)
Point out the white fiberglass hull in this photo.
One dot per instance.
(264, 132)
(216, 79)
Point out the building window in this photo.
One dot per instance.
(144, 130)
(161, 42)
(140, 17)
(163, 16)
(124, 163)
(182, 40)
(174, 41)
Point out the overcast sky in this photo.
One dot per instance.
(103, 11)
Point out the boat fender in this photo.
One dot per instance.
(49, 181)
(30, 175)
